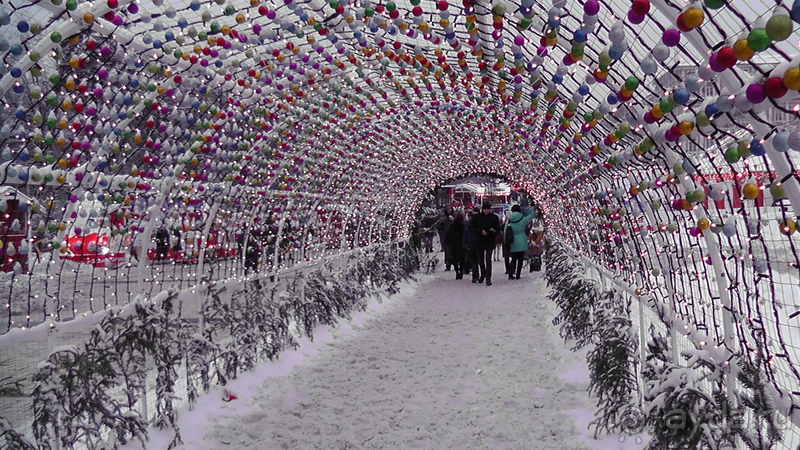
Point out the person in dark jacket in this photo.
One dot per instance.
(486, 226)
(442, 225)
(429, 224)
(162, 244)
(469, 244)
(453, 241)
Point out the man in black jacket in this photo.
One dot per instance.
(486, 226)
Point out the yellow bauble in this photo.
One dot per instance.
(702, 224)
(791, 78)
(742, 51)
(656, 112)
(787, 227)
(693, 17)
(750, 191)
(685, 127)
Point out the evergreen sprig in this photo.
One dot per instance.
(760, 429)
(680, 411)
(613, 378)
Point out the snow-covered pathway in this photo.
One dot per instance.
(446, 364)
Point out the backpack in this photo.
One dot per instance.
(508, 236)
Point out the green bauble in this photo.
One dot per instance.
(604, 61)
(572, 106)
(779, 27)
(702, 119)
(757, 40)
(744, 149)
(732, 155)
(777, 191)
(714, 4)
(632, 83)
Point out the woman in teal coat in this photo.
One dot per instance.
(517, 221)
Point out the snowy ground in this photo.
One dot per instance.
(444, 364)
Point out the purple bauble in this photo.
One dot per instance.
(756, 93)
(634, 18)
(714, 64)
(591, 7)
(671, 37)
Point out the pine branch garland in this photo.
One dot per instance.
(612, 367)
(76, 400)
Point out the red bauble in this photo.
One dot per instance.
(775, 87)
(725, 57)
(640, 7)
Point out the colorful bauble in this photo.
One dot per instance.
(787, 227)
(775, 88)
(779, 27)
(758, 40)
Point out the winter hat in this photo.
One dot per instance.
(516, 208)
(486, 205)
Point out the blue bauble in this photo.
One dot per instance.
(681, 96)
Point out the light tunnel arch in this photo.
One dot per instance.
(318, 126)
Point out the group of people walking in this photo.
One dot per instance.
(470, 239)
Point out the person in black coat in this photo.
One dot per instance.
(486, 226)
(162, 244)
(469, 246)
(444, 222)
(453, 241)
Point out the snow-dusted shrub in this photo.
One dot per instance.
(89, 395)
(680, 412)
(760, 428)
(10, 438)
(573, 292)
(613, 378)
